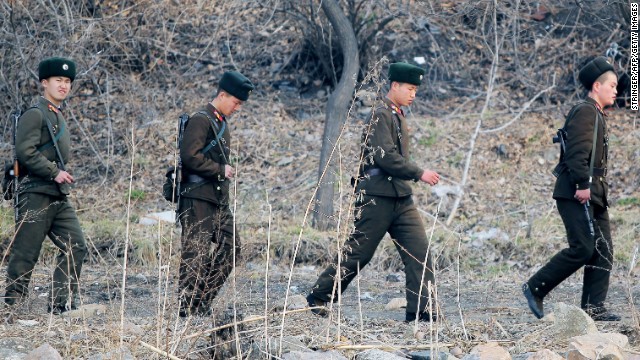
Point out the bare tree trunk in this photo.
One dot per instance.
(336, 112)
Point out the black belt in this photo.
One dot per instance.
(600, 172)
(374, 172)
(194, 178)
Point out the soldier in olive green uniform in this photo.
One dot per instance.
(579, 189)
(44, 208)
(385, 203)
(208, 237)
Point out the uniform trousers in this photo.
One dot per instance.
(42, 215)
(374, 217)
(207, 251)
(595, 253)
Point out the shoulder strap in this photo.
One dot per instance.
(593, 146)
(55, 138)
(55, 144)
(217, 132)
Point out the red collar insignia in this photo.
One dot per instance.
(53, 108)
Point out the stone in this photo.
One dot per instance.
(28, 323)
(317, 355)
(155, 218)
(289, 344)
(431, 355)
(394, 278)
(456, 351)
(13, 348)
(598, 346)
(44, 352)
(86, 311)
(488, 351)
(544, 354)
(396, 303)
(296, 302)
(376, 354)
(570, 321)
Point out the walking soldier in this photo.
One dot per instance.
(208, 237)
(385, 204)
(42, 148)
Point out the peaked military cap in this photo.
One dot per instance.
(56, 66)
(236, 84)
(406, 73)
(592, 71)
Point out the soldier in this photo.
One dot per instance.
(208, 236)
(43, 207)
(581, 196)
(384, 202)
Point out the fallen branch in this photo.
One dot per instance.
(252, 319)
(158, 351)
(382, 347)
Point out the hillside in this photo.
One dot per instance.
(144, 63)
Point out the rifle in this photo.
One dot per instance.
(16, 166)
(177, 175)
(561, 138)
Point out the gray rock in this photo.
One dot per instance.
(394, 278)
(86, 311)
(317, 355)
(289, 344)
(431, 355)
(396, 303)
(544, 354)
(570, 321)
(376, 354)
(488, 351)
(598, 346)
(14, 348)
(44, 352)
(296, 302)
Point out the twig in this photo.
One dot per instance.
(158, 351)
(492, 78)
(523, 109)
(380, 347)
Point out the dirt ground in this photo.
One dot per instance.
(472, 310)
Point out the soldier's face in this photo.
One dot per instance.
(606, 91)
(56, 88)
(405, 93)
(229, 104)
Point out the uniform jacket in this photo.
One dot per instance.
(35, 151)
(386, 147)
(198, 133)
(577, 157)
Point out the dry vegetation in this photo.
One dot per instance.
(498, 84)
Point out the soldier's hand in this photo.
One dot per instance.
(583, 195)
(229, 171)
(430, 177)
(63, 177)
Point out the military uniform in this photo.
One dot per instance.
(208, 236)
(44, 209)
(384, 204)
(595, 253)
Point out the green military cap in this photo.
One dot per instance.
(56, 66)
(592, 71)
(236, 84)
(406, 73)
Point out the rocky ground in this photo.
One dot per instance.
(474, 310)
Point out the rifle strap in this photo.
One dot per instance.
(593, 146)
(217, 136)
(55, 143)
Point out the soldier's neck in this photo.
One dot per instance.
(595, 98)
(392, 99)
(53, 101)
